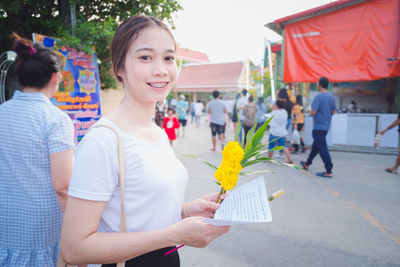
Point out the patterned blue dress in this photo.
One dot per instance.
(31, 128)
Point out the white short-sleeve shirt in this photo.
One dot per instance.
(155, 179)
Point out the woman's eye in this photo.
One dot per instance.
(170, 58)
(145, 57)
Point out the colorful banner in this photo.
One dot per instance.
(356, 43)
(79, 92)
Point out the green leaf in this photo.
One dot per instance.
(218, 183)
(256, 172)
(277, 148)
(260, 132)
(202, 160)
(249, 138)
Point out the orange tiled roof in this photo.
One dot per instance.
(211, 76)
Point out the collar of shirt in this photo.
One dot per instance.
(37, 96)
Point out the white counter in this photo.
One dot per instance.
(356, 129)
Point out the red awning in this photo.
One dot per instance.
(357, 43)
(205, 77)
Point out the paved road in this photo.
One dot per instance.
(350, 220)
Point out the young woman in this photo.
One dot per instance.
(143, 57)
(36, 155)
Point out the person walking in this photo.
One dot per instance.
(191, 110)
(396, 165)
(249, 115)
(217, 112)
(171, 125)
(322, 108)
(143, 60)
(37, 141)
(182, 110)
(159, 114)
(284, 97)
(198, 112)
(235, 113)
(277, 129)
(298, 122)
(261, 112)
(240, 105)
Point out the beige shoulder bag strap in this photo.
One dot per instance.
(121, 161)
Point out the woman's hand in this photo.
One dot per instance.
(204, 206)
(195, 232)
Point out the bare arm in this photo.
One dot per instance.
(81, 243)
(313, 112)
(395, 123)
(61, 170)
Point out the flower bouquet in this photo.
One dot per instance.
(235, 158)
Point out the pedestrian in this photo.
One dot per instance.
(298, 122)
(284, 97)
(261, 112)
(143, 60)
(396, 165)
(277, 129)
(217, 112)
(235, 113)
(229, 107)
(240, 105)
(191, 110)
(159, 114)
(322, 109)
(198, 112)
(171, 125)
(37, 141)
(182, 108)
(249, 115)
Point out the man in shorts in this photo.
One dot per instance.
(182, 110)
(217, 110)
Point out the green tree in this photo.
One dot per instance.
(96, 21)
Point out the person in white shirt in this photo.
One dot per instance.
(277, 129)
(240, 106)
(198, 112)
(143, 59)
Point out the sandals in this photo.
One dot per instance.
(304, 165)
(389, 170)
(324, 174)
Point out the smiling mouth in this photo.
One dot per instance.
(158, 85)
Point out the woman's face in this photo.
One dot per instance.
(150, 68)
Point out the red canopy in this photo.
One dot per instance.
(356, 43)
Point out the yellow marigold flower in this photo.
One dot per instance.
(228, 172)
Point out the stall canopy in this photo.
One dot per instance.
(344, 41)
(206, 77)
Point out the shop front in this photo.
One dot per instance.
(356, 45)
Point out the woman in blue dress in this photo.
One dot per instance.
(36, 161)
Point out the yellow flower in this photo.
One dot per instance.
(228, 172)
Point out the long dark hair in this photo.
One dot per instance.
(299, 100)
(35, 64)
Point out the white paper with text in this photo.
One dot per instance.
(246, 204)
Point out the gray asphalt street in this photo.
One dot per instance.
(352, 219)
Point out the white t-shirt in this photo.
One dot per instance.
(277, 126)
(198, 109)
(240, 105)
(155, 179)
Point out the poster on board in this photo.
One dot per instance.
(79, 92)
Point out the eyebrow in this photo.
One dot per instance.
(152, 50)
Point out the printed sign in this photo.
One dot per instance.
(79, 92)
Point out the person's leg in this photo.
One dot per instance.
(222, 136)
(246, 130)
(271, 144)
(282, 142)
(213, 136)
(323, 150)
(241, 130)
(184, 121)
(314, 151)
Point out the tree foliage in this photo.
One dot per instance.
(96, 21)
